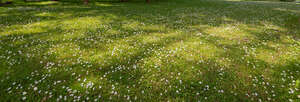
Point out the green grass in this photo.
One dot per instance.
(179, 50)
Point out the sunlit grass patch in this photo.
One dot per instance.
(80, 23)
(44, 3)
(103, 4)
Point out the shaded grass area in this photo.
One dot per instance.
(163, 51)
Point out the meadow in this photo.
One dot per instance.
(169, 50)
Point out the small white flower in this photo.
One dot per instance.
(8, 88)
(255, 94)
(35, 88)
(221, 91)
(24, 98)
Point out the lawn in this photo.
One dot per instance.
(169, 50)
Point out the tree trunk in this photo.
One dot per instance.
(147, 1)
(86, 2)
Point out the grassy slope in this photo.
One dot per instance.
(181, 50)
